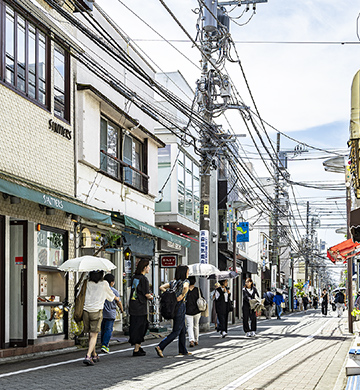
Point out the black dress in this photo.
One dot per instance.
(222, 310)
(248, 313)
(138, 309)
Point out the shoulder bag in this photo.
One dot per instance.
(201, 302)
(79, 303)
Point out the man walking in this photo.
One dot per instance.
(340, 303)
(324, 302)
(268, 303)
(278, 300)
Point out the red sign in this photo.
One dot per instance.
(19, 260)
(168, 261)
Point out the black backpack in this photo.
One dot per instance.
(168, 302)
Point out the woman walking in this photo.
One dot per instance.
(97, 291)
(181, 286)
(138, 307)
(278, 300)
(222, 301)
(249, 292)
(324, 302)
(193, 313)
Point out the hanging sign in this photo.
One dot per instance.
(168, 261)
(242, 232)
(204, 247)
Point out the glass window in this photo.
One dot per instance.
(164, 170)
(181, 184)
(50, 248)
(42, 68)
(9, 44)
(59, 81)
(32, 62)
(109, 143)
(196, 186)
(21, 52)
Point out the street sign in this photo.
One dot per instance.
(204, 247)
(242, 232)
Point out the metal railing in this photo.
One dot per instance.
(124, 172)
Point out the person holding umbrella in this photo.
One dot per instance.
(97, 291)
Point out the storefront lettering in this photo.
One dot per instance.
(145, 229)
(53, 202)
(57, 128)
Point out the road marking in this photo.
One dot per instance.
(253, 372)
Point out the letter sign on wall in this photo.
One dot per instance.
(168, 261)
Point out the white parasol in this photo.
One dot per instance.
(200, 269)
(87, 264)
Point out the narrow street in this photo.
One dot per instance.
(301, 351)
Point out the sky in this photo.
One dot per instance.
(299, 58)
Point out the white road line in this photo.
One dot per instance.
(252, 373)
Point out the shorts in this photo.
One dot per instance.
(92, 321)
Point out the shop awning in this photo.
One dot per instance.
(343, 251)
(47, 198)
(150, 230)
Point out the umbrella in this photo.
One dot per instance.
(339, 289)
(87, 264)
(221, 275)
(200, 269)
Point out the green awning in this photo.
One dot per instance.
(150, 230)
(56, 202)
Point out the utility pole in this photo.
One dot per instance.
(307, 242)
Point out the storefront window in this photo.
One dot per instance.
(50, 319)
(50, 248)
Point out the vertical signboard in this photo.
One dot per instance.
(204, 247)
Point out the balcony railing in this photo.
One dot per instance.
(124, 172)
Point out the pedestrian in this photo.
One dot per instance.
(193, 313)
(340, 303)
(324, 302)
(296, 303)
(97, 291)
(268, 303)
(222, 306)
(278, 300)
(138, 306)
(109, 315)
(315, 302)
(305, 301)
(249, 292)
(181, 286)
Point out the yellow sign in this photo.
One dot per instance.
(206, 209)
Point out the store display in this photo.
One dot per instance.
(50, 320)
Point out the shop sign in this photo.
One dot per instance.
(168, 261)
(242, 232)
(60, 129)
(174, 245)
(19, 260)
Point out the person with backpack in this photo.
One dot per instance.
(193, 313)
(340, 303)
(138, 307)
(249, 292)
(180, 286)
(222, 302)
(109, 315)
(268, 303)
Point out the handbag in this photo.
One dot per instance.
(201, 302)
(79, 303)
(282, 305)
(230, 305)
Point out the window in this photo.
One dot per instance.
(164, 170)
(188, 188)
(24, 53)
(61, 92)
(126, 163)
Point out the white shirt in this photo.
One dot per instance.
(96, 294)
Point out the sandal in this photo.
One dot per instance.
(159, 351)
(95, 358)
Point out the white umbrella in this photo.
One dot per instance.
(200, 269)
(221, 275)
(87, 264)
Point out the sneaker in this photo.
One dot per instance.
(140, 349)
(224, 334)
(95, 358)
(105, 349)
(159, 351)
(248, 334)
(88, 361)
(139, 353)
(185, 354)
(253, 334)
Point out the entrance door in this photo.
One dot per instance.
(2, 281)
(18, 283)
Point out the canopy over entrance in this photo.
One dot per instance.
(343, 251)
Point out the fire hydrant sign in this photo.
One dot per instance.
(168, 261)
(204, 247)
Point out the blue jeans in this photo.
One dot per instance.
(179, 329)
(278, 310)
(106, 331)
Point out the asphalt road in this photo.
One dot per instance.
(301, 351)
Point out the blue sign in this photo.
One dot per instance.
(242, 232)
